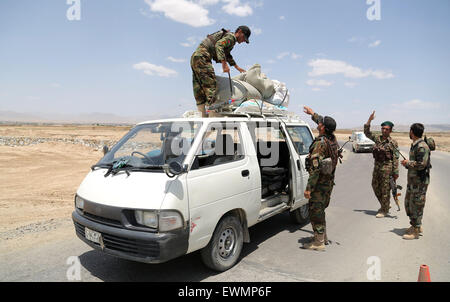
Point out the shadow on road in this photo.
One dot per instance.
(188, 268)
(374, 213)
(399, 232)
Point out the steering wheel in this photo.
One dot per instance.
(144, 155)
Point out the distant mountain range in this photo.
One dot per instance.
(87, 118)
(112, 119)
(405, 128)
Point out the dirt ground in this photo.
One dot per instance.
(38, 181)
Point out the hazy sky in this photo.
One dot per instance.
(132, 57)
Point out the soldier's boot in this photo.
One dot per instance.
(380, 215)
(213, 114)
(202, 110)
(409, 231)
(414, 234)
(317, 245)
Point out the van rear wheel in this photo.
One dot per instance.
(300, 215)
(225, 246)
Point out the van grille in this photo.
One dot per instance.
(138, 248)
(102, 220)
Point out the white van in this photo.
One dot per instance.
(171, 187)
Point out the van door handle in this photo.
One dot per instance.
(245, 173)
(298, 164)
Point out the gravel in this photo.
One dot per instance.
(16, 141)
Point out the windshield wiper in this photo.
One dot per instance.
(101, 166)
(129, 168)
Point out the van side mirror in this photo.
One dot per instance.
(105, 149)
(175, 168)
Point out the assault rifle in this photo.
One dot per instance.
(394, 188)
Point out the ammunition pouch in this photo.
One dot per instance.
(326, 166)
(308, 164)
(381, 154)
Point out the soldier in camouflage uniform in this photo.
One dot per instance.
(418, 167)
(217, 47)
(386, 157)
(323, 151)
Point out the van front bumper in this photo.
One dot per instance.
(134, 245)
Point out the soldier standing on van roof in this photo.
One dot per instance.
(217, 47)
(385, 153)
(418, 167)
(321, 165)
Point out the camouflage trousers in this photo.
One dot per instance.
(203, 77)
(415, 202)
(319, 201)
(381, 186)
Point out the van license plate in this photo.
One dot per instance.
(92, 235)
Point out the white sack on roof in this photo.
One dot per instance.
(252, 85)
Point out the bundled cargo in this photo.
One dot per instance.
(251, 85)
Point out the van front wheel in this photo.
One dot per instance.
(300, 215)
(223, 251)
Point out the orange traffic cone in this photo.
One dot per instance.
(424, 274)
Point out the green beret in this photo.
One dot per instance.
(388, 123)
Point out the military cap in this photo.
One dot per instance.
(246, 31)
(329, 123)
(388, 123)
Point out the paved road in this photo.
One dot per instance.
(274, 253)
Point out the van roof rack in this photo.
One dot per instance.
(255, 111)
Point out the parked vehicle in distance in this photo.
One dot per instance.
(361, 143)
(170, 187)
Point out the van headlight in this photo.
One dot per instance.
(170, 220)
(165, 220)
(79, 202)
(147, 218)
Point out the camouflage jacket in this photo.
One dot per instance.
(220, 48)
(389, 144)
(419, 159)
(317, 152)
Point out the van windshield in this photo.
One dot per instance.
(153, 145)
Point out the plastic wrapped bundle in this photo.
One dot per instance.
(252, 85)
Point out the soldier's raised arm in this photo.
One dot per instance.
(314, 116)
(367, 131)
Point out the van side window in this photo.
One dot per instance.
(301, 137)
(221, 144)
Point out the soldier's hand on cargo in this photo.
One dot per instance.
(307, 194)
(240, 69)
(308, 110)
(225, 67)
(404, 163)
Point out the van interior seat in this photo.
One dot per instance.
(225, 149)
(276, 176)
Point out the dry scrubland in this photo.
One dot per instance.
(38, 180)
(442, 139)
